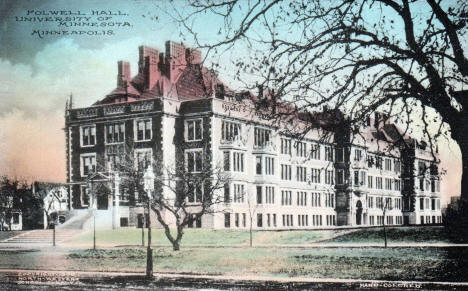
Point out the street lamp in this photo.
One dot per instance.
(148, 178)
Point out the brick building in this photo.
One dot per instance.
(175, 109)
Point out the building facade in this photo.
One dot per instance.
(174, 109)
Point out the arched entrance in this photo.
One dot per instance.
(359, 212)
(102, 193)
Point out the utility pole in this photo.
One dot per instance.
(94, 229)
(53, 236)
(149, 187)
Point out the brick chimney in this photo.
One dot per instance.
(176, 59)
(193, 56)
(148, 65)
(124, 73)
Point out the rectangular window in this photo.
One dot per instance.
(286, 197)
(339, 177)
(227, 159)
(301, 149)
(329, 153)
(239, 193)
(421, 203)
(370, 182)
(84, 196)
(301, 198)
(285, 146)
(230, 131)
(143, 129)
(258, 165)
(315, 175)
(244, 220)
(88, 164)
(262, 137)
(356, 178)
(238, 162)
(357, 155)
(397, 166)
(422, 168)
(194, 161)
(115, 132)
(269, 166)
(143, 158)
(315, 151)
(270, 195)
(259, 220)
(227, 220)
(378, 183)
(329, 179)
(194, 129)
(301, 174)
(388, 164)
(236, 219)
(285, 172)
(274, 220)
(397, 185)
(370, 161)
(88, 135)
(388, 184)
(227, 194)
(195, 193)
(362, 180)
(259, 194)
(378, 163)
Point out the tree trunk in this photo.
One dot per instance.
(250, 230)
(464, 180)
(176, 246)
(460, 135)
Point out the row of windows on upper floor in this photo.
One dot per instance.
(265, 165)
(269, 220)
(429, 203)
(115, 133)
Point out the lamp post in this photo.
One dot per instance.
(148, 178)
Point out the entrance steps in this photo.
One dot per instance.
(102, 218)
(42, 236)
(78, 218)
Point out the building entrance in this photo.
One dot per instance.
(102, 198)
(359, 213)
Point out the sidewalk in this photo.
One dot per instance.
(70, 245)
(88, 279)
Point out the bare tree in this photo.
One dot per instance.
(190, 194)
(184, 191)
(252, 205)
(405, 58)
(384, 211)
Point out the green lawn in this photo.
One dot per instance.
(201, 237)
(364, 263)
(396, 235)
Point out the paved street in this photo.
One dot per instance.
(78, 280)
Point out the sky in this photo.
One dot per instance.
(39, 71)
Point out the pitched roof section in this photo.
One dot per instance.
(178, 74)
